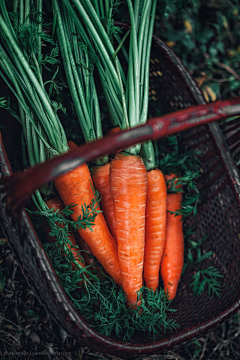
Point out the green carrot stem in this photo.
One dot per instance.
(22, 117)
(74, 82)
(97, 112)
(62, 144)
(125, 122)
(87, 77)
(107, 8)
(123, 49)
(88, 43)
(134, 150)
(39, 73)
(40, 14)
(96, 7)
(72, 87)
(98, 28)
(21, 12)
(135, 63)
(147, 152)
(121, 43)
(101, 9)
(78, 54)
(51, 150)
(117, 103)
(82, 66)
(131, 89)
(144, 112)
(7, 18)
(42, 152)
(95, 34)
(143, 59)
(35, 141)
(35, 202)
(29, 93)
(41, 203)
(136, 13)
(115, 119)
(54, 23)
(142, 29)
(29, 139)
(84, 98)
(15, 6)
(27, 11)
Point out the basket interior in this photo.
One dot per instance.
(218, 215)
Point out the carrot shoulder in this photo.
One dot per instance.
(155, 235)
(173, 255)
(128, 180)
(76, 187)
(101, 182)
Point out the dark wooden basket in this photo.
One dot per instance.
(218, 218)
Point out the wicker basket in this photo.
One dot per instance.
(218, 218)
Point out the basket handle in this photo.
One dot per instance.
(18, 187)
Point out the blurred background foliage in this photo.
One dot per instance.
(205, 34)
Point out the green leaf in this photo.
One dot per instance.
(206, 255)
(234, 85)
(190, 255)
(215, 88)
(221, 47)
(206, 34)
(213, 51)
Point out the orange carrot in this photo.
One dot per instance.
(173, 255)
(128, 180)
(76, 187)
(58, 205)
(155, 234)
(115, 130)
(100, 177)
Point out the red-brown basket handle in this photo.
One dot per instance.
(19, 186)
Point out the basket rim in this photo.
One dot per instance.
(101, 342)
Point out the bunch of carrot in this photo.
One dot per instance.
(144, 237)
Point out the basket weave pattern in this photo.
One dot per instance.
(218, 217)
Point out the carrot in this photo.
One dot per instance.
(115, 130)
(76, 187)
(128, 180)
(173, 255)
(100, 177)
(155, 234)
(58, 205)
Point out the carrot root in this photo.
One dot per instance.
(156, 218)
(128, 180)
(101, 182)
(76, 187)
(173, 255)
